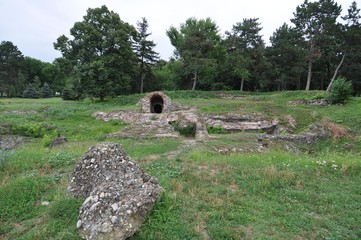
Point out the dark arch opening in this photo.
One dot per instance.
(156, 104)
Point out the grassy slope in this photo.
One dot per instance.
(270, 195)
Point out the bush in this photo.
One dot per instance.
(217, 130)
(34, 130)
(340, 92)
(186, 131)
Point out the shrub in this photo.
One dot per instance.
(34, 130)
(186, 131)
(217, 130)
(340, 92)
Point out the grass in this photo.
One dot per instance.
(270, 195)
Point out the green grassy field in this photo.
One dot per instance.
(276, 194)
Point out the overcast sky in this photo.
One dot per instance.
(34, 25)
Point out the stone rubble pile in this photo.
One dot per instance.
(118, 194)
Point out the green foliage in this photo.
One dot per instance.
(62, 158)
(31, 91)
(318, 96)
(144, 50)
(216, 130)
(11, 60)
(197, 45)
(69, 93)
(47, 139)
(28, 129)
(340, 92)
(46, 92)
(191, 94)
(186, 131)
(274, 194)
(101, 52)
(18, 199)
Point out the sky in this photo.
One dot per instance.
(34, 25)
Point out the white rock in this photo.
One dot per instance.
(78, 224)
(115, 207)
(114, 218)
(45, 203)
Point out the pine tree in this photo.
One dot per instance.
(46, 92)
(144, 51)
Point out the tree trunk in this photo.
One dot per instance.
(142, 83)
(309, 75)
(310, 59)
(142, 76)
(195, 80)
(335, 74)
(242, 83)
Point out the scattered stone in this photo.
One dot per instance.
(10, 142)
(230, 96)
(45, 203)
(315, 102)
(118, 194)
(315, 133)
(297, 102)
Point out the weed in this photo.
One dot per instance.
(186, 131)
(217, 130)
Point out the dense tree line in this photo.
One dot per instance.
(106, 56)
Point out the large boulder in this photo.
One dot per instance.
(118, 194)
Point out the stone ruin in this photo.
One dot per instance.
(156, 102)
(117, 194)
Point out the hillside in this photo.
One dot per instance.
(230, 185)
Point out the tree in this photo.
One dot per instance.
(287, 57)
(246, 51)
(352, 33)
(144, 51)
(33, 89)
(101, 53)
(197, 44)
(46, 91)
(314, 20)
(11, 60)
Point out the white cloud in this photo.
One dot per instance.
(34, 25)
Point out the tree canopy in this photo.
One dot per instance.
(105, 56)
(101, 52)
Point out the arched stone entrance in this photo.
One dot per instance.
(156, 104)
